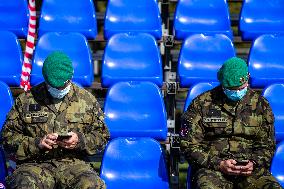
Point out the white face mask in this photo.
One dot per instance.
(59, 94)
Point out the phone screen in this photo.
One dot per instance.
(62, 137)
(242, 162)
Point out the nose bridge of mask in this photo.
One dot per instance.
(56, 93)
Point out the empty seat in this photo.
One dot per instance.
(261, 17)
(277, 168)
(75, 45)
(132, 57)
(201, 16)
(274, 94)
(134, 163)
(6, 102)
(132, 16)
(135, 109)
(135, 115)
(68, 16)
(14, 17)
(11, 59)
(266, 61)
(201, 56)
(196, 90)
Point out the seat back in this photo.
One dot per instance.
(68, 16)
(132, 16)
(196, 90)
(266, 61)
(134, 163)
(261, 17)
(6, 104)
(11, 59)
(135, 109)
(75, 45)
(201, 56)
(277, 169)
(14, 17)
(201, 16)
(132, 57)
(274, 95)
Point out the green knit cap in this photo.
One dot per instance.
(57, 69)
(233, 73)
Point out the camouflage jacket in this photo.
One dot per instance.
(35, 115)
(215, 128)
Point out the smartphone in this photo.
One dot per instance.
(63, 136)
(242, 162)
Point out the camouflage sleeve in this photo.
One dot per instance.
(14, 139)
(95, 139)
(192, 140)
(264, 145)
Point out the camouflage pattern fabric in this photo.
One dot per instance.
(34, 115)
(215, 128)
(211, 179)
(57, 174)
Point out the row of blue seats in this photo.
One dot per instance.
(134, 157)
(137, 57)
(191, 16)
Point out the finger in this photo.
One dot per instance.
(68, 141)
(51, 137)
(233, 172)
(246, 173)
(234, 162)
(70, 147)
(230, 165)
(239, 167)
(49, 142)
(46, 145)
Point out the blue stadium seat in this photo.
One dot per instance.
(132, 57)
(196, 90)
(201, 16)
(68, 16)
(6, 102)
(261, 17)
(266, 61)
(14, 17)
(274, 94)
(201, 56)
(277, 168)
(11, 59)
(75, 45)
(188, 178)
(135, 109)
(134, 163)
(3, 172)
(132, 16)
(135, 115)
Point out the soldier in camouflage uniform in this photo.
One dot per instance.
(38, 118)
(227, 124)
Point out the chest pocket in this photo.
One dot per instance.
(250, 125)
(79, 118)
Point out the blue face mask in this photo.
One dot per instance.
(235, 95)
(59, 94)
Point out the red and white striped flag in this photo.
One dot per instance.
(27, 65)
